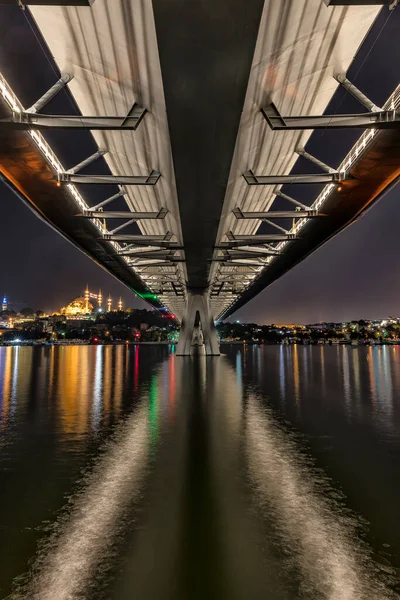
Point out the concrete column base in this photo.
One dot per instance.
(198, 305)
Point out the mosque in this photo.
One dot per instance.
(83, 305)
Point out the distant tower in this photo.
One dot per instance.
(109, 304)
(100, 300)
(4, 303)
(120, 304)
(87, 299)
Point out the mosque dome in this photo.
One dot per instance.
(77, 307)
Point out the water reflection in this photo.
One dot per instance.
(194, 484)
(67, 567)
(370, 377)
(320, 541)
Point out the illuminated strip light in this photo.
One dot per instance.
(16, 106)
(359, 147)
(393, 103)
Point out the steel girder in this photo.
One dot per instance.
(385, 119)
(159, 245)
(124, 214)
(159, 253)
(133, 237)
(164, 263)
(251, 262)
(277, 214)
(259, 238)
(252, 179)
(49, 2)
(235, 246)
(359, 2)
(150, 179)
(26, 120)
(231, 254)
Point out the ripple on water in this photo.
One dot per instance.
(321, 538)
(82, 539)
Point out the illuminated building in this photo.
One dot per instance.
(4, 303)
(120, 304)
(83, 305)
(79, 306)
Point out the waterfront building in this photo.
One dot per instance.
(83, 305)
(79, 306)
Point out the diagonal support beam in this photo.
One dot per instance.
(357, 94)
(150, 179)
(53, 91)
(253, 179)
(276, 226)
(86, 162)
(316, 161)
(130, 222)
(292, 200)
(277, 214)
(382, 119)
(32, 120)
(123, 214)
(94, 210)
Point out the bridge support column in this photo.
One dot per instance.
(198, 313)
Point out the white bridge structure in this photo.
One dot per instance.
(199, 111)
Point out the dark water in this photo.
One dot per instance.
(269, 472)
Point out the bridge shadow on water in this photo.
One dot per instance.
(196, 489)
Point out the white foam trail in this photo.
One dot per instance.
(322, 543)
(68, 567)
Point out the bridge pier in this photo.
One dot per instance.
(198, 313)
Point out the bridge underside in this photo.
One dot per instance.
(199, 75)
(374, 173)
(30, 176)
(206, 51)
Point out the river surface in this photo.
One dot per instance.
(269, 472)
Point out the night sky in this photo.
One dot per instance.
(355, 275)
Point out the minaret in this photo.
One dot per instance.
(109, 304)
(99, 300)
(120, 304)
(87, 299)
